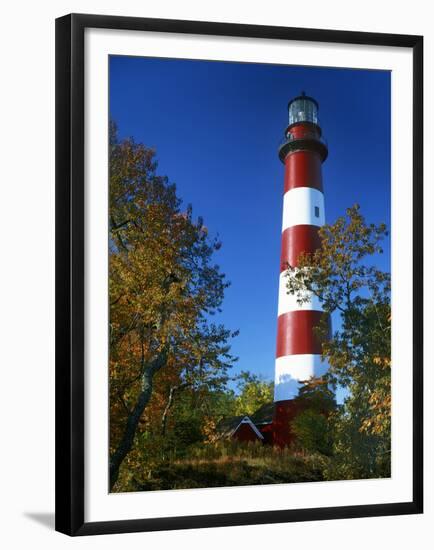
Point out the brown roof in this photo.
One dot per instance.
(264, 415)
(228, 426)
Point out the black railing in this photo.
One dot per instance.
(309, 140)
(309, 135)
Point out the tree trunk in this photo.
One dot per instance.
(167, 409)
(169, 405)
(127, 440)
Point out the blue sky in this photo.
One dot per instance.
(216, 127)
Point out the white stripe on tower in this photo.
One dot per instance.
(289, 302)
(292, 368)
(303, 206)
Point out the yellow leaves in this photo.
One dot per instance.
(379, 420)
(209, 430)
(383, 362)
(254, 393)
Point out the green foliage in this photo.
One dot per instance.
(357, 454)
(312, 426)
(343, 276)
(253, 393)
(315, 394)
(186, 432)
(313, 432)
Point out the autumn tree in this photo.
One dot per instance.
(343, 275)
(312, 426)
(253, 392)
(164, 289)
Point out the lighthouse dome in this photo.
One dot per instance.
(303, 109)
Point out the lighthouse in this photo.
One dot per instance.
(298, 349)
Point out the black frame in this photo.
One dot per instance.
(70, 237)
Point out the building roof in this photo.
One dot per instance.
(264, 415)
(228, 426)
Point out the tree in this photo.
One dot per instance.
(316, 395)
(343, 276)
(311, 426)
(163, 291)
(253, 393)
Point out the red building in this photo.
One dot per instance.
(241, 428)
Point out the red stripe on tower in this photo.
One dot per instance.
(295, 334)
(303, 166)
(298, 350)
(295, 240)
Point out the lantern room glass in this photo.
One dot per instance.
(303, 110)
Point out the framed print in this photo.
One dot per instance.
(238, 274)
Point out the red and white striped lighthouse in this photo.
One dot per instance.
(298, 351)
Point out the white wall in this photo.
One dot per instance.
(26, 290)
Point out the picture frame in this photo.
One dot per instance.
(71, 291)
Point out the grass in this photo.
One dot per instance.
(233, 464)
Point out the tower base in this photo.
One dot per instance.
(284, 412)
